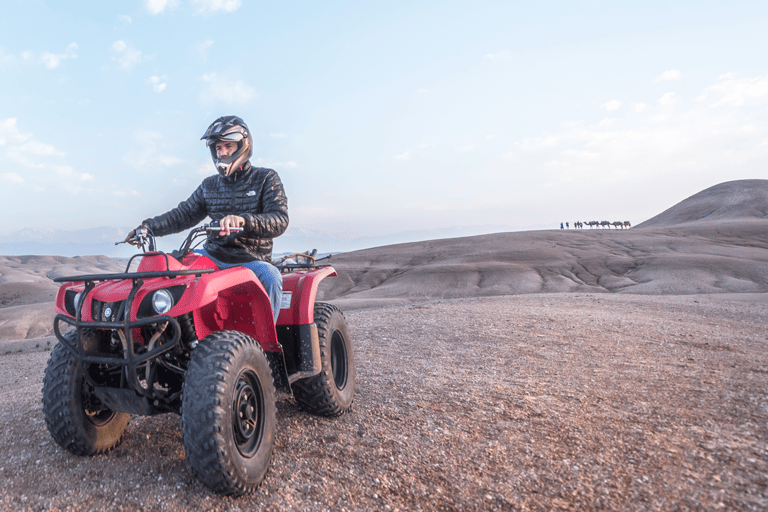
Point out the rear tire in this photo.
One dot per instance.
(228, 413)
(330, 393)
(75, 417)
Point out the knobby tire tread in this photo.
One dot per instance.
(61, 374)
(205, 398)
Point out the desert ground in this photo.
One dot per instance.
(621, 369)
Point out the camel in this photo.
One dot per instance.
(605, 223)
(627, 224)
(618, 224)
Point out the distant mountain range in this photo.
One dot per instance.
(56, 242)
(742, 199)
(102, 240)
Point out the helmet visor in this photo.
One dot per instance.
(227, 137)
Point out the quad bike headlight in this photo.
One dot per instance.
(72, 301)
(159, 302)
(162, 301)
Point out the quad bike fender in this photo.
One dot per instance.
(299, 292)
(61, 298)
(234, 299)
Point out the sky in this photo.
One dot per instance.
(382, 117)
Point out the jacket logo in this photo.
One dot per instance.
(251, 193)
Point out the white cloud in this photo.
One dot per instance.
(668, 98)
(158, 83)
(169, 161)
(226, 90)
(126, 56)
(502, 56)
(37, 148)
(737, 92)
(52, 61)
(125, 18)
(11, 177)
(63, 170)
(467, 148)
(274, 164)
(124, 193)
(66, 171)
(206, 169)
(148, 137)
(694, 140)
(48, 59)
(21, 148)
(537, 143)
(9, 132)
(203, 49)
(638, 107)
(672, 74)
(152, 155)
(212, 6)
(6, 58)
(159, 6)
(41, 159)
(611, 105)
(403, 156)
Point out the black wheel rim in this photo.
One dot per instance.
(339, 359)
(248, 413)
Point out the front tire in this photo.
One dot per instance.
(329, 393)
(228, 413)
(75, 417)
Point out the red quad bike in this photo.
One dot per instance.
(177, 335)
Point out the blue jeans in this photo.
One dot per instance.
(267, 273)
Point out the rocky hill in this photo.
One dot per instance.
(742, 200)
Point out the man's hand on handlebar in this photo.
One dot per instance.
(134, 240)
(230, 221)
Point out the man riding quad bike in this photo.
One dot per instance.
(202, 333)
(177, 335)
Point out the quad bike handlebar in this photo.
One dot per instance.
(145, 238)
(203, 231)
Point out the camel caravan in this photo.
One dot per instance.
(602, 224)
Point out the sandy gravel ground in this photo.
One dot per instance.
(529, 402)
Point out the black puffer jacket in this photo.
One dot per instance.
(254, 193)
